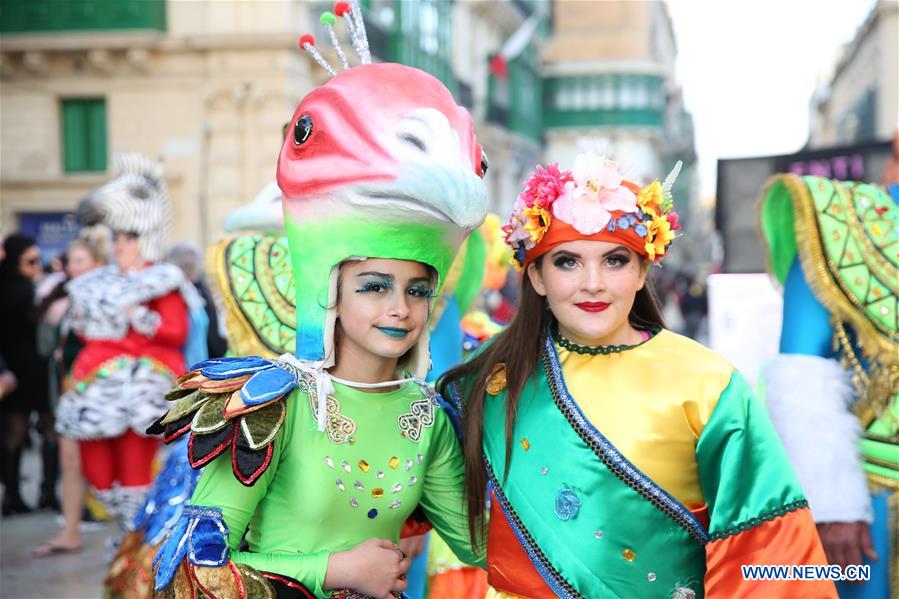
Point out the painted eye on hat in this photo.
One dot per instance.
(302, 129)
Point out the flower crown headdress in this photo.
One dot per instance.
(591, 201)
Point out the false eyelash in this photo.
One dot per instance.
(622, 259)
(561, 261)
(371, 285)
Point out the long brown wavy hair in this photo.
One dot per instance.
(519, 347)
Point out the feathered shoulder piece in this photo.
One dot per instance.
(236, 404)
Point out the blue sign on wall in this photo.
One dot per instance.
(53, 231)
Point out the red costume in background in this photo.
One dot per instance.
(134, 325)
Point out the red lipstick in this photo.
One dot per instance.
(592, 306)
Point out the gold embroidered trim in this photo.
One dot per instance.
(884, 482)
(875, 387)
(420, 415)
(338, 427)
(879, 350)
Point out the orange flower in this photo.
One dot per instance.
(538, 221)
(660, 236)
(650, 198)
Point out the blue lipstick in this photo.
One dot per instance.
(398, 333)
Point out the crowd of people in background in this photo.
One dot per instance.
(37, 351)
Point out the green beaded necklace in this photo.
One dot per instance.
(595, 350)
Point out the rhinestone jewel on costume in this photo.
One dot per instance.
(354, 502)
(544, 470)
(408, 464)
(372, 514)
(377, 493)
(397, 488)
(421, 459)
(525, 443)
(358, 485)
(394, 462)
(412, 480)
(651, 577)
(395, 504)
(363, 466)
(629, 555)
(329, 462)
(340, 485)
(380, 474)
(598, 534)
(567, 504)
(346, 465)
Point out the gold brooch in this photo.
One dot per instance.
(496, 380)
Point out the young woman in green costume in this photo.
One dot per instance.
(364, 476)
(622, 460)
(317, 459)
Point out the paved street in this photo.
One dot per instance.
(72, 576)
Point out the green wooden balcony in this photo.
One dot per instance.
(604, 100)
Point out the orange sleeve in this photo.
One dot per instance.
(790, 539)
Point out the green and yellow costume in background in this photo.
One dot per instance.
(833, 392)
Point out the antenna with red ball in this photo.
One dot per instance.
(352, 16)
(307, 43)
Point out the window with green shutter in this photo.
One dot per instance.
(417, 33)
(35, 16)
(83, 134)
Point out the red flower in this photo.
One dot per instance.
(674, 221)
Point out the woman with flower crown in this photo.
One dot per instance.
(622, 460)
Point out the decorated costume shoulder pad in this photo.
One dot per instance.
(231, 403)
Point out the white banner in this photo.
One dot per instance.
(745, 314)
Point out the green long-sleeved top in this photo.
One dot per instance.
(326, 492)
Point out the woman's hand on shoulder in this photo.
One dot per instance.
(375, 567)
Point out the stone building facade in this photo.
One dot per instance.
(860, 100)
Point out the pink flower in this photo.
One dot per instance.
(541, 190)
(594, 194)
(544, 186)
(674, 221)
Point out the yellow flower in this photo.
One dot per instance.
(538, 221)
(660, 235)
(650, 199)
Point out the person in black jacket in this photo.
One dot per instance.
(19, 271)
